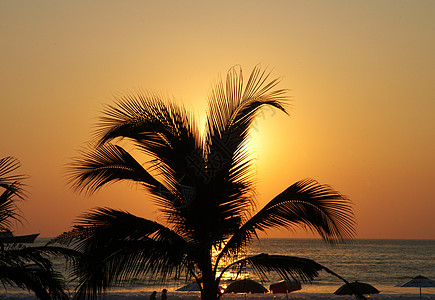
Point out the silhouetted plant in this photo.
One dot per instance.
(204, 186)
(28, 268)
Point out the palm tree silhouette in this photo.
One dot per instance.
(204, 186)
(24, 267)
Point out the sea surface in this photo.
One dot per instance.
(383, 263)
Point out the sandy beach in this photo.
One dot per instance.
(268, 296)
(298, 295)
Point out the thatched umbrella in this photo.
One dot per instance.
(245, 286)
(419, 281)
(353, 287)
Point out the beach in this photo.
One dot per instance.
(268, 296)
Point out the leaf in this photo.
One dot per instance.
(306, 204)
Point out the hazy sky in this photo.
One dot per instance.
(360, 73)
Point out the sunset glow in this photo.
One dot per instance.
(360, 78)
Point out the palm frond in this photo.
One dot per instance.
(45, 284)
(231, 102)
(165, 131)
(306, 204)
(117, 246)
(8, 208)
(107, 164)
(138, 116)
(28, 268)
(12, 190)
(232, 109)
(287, 267)
(8, 165)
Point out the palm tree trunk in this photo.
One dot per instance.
(209, 285)
(210, 291)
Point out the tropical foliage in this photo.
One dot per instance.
(24, 267)
(204, 184)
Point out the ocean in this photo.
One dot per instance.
(382, 263)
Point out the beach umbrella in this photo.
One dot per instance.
(285, 286)
(419, 281)
(191, 287)
(245, 286)
(356, 286)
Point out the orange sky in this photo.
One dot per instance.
(361, 75)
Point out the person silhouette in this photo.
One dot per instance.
(164, 295)
(153, 295)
